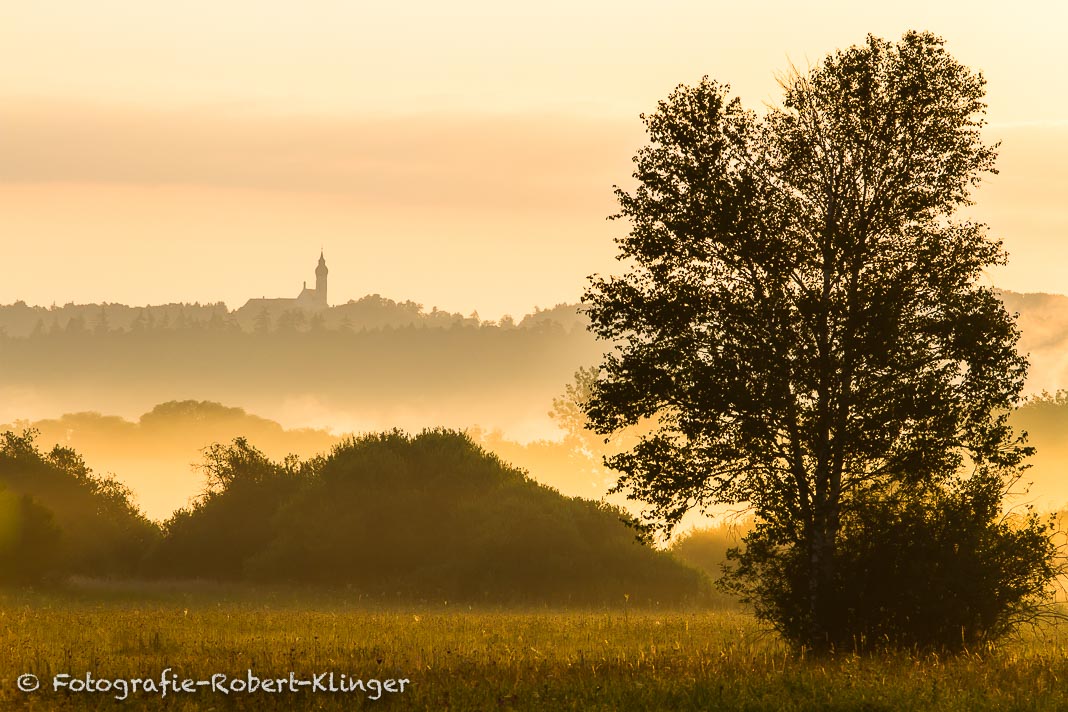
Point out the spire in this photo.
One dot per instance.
(320, 279)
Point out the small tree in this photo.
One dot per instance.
(802, 320)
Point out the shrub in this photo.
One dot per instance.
(939, 568)
(101, 532)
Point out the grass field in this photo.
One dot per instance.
(477, 659)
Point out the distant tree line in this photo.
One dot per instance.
(373, 311)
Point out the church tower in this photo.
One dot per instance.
(320, 279)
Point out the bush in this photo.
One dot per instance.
(233, 520)
(30, 546)
(939, 568)
(432, 516)
(76, 522)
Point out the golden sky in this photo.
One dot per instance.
(459, 154)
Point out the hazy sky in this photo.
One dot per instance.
(460, 154)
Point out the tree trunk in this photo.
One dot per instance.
(821, 585)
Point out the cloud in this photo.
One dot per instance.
(517, 163)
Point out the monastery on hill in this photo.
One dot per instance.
(310, 299)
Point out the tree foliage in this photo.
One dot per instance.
(801, 314)
(235, 516)
(30, 541)
(430, 517)
(58, 518)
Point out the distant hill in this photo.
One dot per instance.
(155, 454)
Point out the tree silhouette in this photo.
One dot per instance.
(431, 516)
(57, 517)
(803, 320)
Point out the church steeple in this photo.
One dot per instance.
(320, 279)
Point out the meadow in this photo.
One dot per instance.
(485, 659)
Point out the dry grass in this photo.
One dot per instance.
(482, 659)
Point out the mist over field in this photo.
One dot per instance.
(366, 365)
(1043, 323)
(139, 392)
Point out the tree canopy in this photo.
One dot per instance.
(58, 518)
(431, 517)
(801, 317)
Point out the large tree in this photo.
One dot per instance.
(802, 318)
